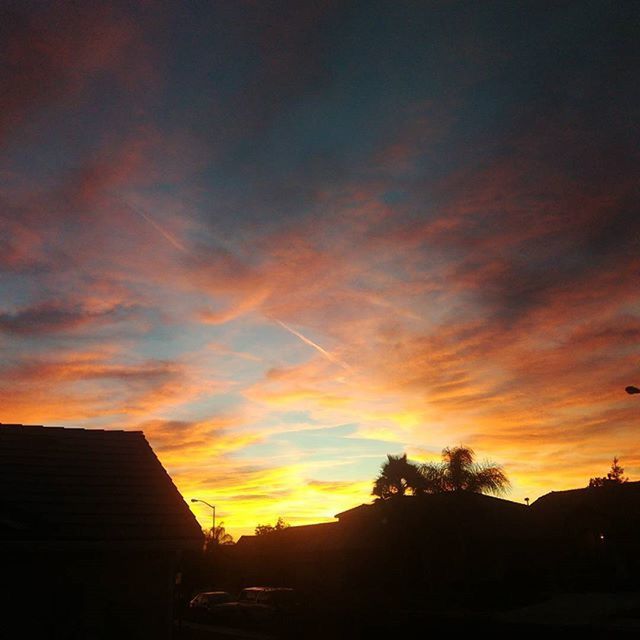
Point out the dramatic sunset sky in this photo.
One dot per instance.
(287, 238)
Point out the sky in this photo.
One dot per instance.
(285, 239)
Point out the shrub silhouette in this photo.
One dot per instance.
(266, 529)
(613, 477)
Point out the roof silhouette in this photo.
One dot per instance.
(73, 485)
(430, 501)
(617, 504)
(596, 495)
(317, 537)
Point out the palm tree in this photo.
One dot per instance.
(459, 472)
(217, 536)
(397, 476)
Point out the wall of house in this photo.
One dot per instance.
(98, 595)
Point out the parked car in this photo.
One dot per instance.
(268, 604)
(206, 606)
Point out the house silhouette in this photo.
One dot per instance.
(451, 547)
(91, 532)
(392, 551)
(589, 537)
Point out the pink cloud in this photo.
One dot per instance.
(53, 54)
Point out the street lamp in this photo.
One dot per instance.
(213, 509)
(631, 390)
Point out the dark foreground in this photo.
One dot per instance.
(585, 615)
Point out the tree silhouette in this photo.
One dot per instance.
(459, 472)
(216, 537)
(613, 477)
(266, 529)
(397, 477)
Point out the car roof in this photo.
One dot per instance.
(267, 589)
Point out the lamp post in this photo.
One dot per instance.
(213, 509)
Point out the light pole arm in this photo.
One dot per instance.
(203, 502)
(213, 509)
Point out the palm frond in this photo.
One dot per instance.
(489, 478)
(397, 477)
(433, 477)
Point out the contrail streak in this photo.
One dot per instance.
(181, 247)
(158, 228)
(311, 343)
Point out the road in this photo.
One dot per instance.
(197, 631)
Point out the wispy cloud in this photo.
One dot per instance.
(334, 218)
